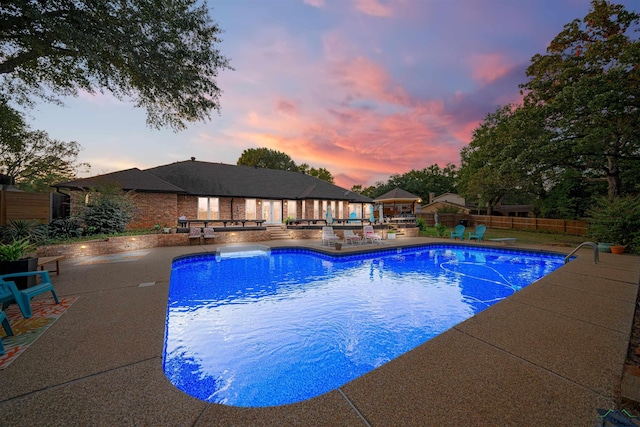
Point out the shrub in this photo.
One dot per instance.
(421, 223)
(108, 212)
(441, 230)
(65, 228)
(21, 229)
(616, 221)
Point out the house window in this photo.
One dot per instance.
(208, 208)
(292, 209)
(357, 208)
(250, 209)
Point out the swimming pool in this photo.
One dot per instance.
(282, 327)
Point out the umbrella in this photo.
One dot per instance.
(381, 209)
(371, 218)
(329, 216)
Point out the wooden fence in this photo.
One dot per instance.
(41, 207)
(578, 228)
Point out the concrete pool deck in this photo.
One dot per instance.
(552, 354)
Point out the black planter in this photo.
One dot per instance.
(22, 265)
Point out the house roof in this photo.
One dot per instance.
(208, 179)
(129, 179)
(397, 195)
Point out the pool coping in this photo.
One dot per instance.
(551, 354)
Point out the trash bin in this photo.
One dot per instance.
(464, 222)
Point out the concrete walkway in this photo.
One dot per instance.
(549, 355)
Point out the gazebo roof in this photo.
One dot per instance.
(397, 195)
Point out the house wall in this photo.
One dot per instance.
(152, 209)
(187, 207)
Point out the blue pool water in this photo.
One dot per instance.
(283, 327)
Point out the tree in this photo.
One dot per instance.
(320, 173)
(32, 157)
(588, 87)
(160, 54)
(267, 158)
(500, 159)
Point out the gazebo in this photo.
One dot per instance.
(399, 203)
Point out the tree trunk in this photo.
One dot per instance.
(613, 177)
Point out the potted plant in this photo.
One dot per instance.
(14, 258)
(391, 233)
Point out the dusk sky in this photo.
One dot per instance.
(363, 88)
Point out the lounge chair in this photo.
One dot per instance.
(7, 328)
(9, 292)
(351, 238)
(458, 232)
(370, 235)
(328, 236)
(478, 234)
(208, 233)
(195, 233)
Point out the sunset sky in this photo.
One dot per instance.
(363, 88)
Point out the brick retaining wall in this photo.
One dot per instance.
(146, 241)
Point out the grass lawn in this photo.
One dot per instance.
(526, 237)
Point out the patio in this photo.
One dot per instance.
(550, 355)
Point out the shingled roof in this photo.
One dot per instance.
(397, 194)
(129, 179)
(207, 179)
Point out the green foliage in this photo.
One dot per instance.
(499, 160)
(432, 179)
(16, 249)
(421, 223)
(441, 230)
(65, 228)
(586, 89)
(21, 229)
(320, 173)
(267, 158)
(162, 54)
(109, 210)
(272, 159)
(34, 159)
(616, 221)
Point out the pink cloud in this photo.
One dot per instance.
(316, 3)
(358, 121)
(374, 8)
(361, 78)
(288, 108)
(489, 67)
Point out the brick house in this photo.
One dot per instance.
(209, 191)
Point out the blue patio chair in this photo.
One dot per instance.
(478, 234)
(458, 232)
(7, 328)
(9, 292)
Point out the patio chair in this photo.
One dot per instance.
(7, 328)
(458, 232)
(208, 233)
(9, 292)
(351, 238)
(195, 233)
(370, 235)
(328, 236)
(478, 234)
